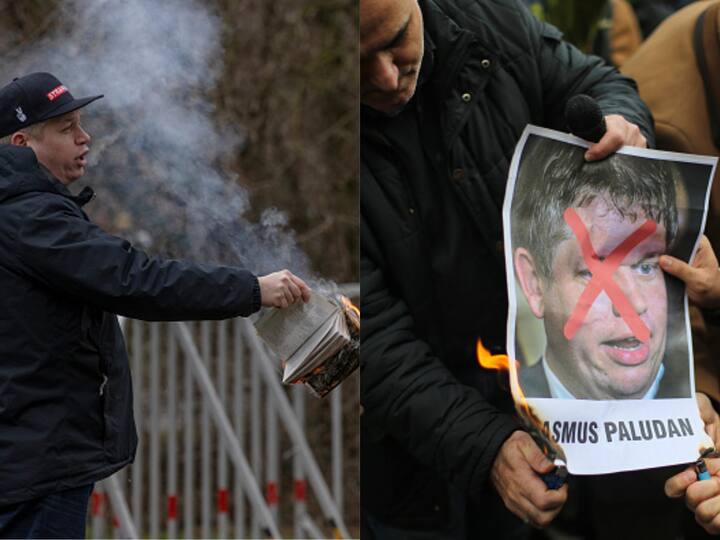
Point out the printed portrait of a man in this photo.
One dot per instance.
(586, 239)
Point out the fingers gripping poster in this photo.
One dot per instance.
(599, 333)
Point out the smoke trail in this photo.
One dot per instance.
(156, 150)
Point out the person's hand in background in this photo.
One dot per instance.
(702, 497)
(702, 277)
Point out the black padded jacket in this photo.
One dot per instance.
(66, 415)
(432, 419)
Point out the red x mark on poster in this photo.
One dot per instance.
(602, 272)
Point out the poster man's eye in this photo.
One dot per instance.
(646, 268)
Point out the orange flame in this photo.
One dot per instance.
(351, 311)
(502, 362)
(491, 361)
(349, 305)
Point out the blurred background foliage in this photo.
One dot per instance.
(611, 29)
(579, 21)
(291, 82)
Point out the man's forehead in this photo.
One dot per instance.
(380, 20)
(609, 226)
(67, 117)
(606, 214)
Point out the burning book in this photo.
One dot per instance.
(317, 341)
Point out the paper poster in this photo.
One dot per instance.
(600, 334)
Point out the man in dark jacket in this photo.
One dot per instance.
(66, 418)
(447, 88)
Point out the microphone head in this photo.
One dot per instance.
(584, 117)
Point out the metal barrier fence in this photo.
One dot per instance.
(212, 461)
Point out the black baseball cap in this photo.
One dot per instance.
(33, 99)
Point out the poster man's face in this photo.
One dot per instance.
(603, 359)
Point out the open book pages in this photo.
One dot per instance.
(321, 345)
(305, 335)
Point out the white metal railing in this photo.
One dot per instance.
(229, 385)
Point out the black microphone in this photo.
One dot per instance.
(584, 118)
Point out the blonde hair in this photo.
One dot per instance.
(35, 131)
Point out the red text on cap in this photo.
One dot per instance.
(56, 92)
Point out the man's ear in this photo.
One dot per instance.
(530, 281)
(19, 138)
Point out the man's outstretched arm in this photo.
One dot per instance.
(56, 246)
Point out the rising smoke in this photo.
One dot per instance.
(157, 152)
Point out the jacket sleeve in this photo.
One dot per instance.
(408, 394)
(59, 248)
(565, 71)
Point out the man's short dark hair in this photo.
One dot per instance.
(554, 176)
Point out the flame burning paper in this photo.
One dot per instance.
(533, 423)
(600, 338)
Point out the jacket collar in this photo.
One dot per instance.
(20, 173)
(451, 44)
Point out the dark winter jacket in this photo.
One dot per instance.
(66, 414)
(431, 417)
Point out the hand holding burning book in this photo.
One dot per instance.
(318, 342)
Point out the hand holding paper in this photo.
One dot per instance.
(702, 277)
(709, 417)
(619, 133)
